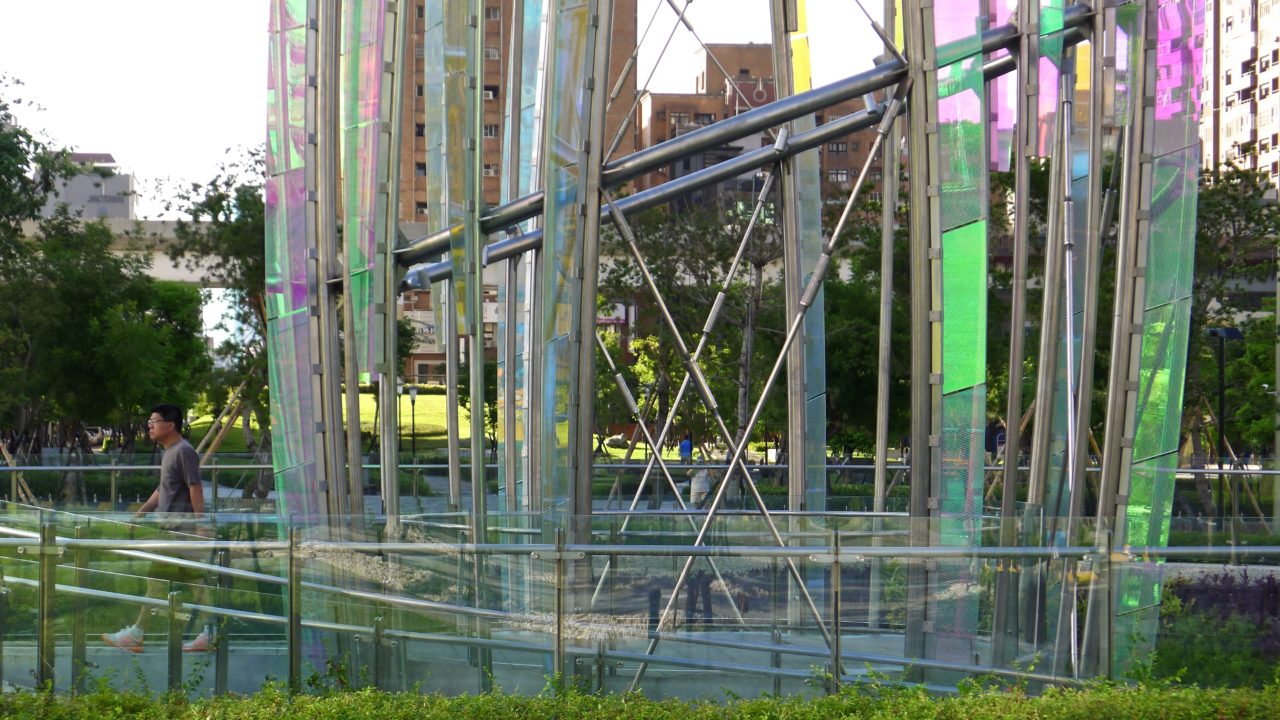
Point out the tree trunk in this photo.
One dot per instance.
(246, 428)
(744, 356)
(1204, 486)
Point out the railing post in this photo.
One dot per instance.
(213, 505)
(176, 622)
(557, 656)
(294, 613)
(379, 627)
(775, 659)
(79, 604)
(835, 611)
(600, 662)
(4, 620)
(221, 640)
(46, 591)
(115, 485)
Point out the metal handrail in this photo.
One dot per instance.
(612, 467)
(825, 554)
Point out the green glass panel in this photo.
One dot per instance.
(962, 144)
(1175, 180)
(964, 307)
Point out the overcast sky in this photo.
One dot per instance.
(168, 86)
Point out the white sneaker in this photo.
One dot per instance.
(129, 638)
(201, 643)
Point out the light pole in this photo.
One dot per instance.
(413, 422)
(1223, 334)
(399, 422)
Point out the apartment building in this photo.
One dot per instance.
(1240, 94)
(426, 362)
(732, 78)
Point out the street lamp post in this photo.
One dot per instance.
(413, 422)
(399, 422)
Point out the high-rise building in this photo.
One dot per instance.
(749, 84)
(498, 26)
(1240, 105)
(98, 189)
(426, 362)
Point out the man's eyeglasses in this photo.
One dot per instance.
(153, 421)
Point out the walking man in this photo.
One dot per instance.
(180, 499)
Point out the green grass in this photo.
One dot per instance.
(873, 701)
(426, 417)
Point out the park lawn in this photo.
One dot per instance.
(428, 415)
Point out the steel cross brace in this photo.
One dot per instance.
(713, 317)
(707, 327)
(709, 401)
(635, 411)
(810, 292)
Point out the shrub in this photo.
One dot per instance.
(974, 702)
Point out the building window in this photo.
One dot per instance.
(490, 92)
(491, 130)
(491, 169)
(419, 130)
(744, 71)
(838, 175)
(680, 118)
(854, 146)
(492, 12)
(490, 53)
(704, 118)
(420, 208)
(418, 91)
(422, 12)
(837, 147)
(420, 169)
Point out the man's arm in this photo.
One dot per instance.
(149, 505)
(191, 476)
(197, 499)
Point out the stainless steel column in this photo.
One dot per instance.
(392, 132)
(783, 22)
(595, 97)
(1005, 632)
(890, 160)
(321, 171)
(449, 336)
(924, 275)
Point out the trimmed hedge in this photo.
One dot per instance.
(1095, 703)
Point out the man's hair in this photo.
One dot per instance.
(170, 413)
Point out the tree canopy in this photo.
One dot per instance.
(86, 336)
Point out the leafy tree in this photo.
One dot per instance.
(223, 237)
(1238, 224)
(490, 400)
(85, 335)
(610, 407)
(688, 255)
(97, 339)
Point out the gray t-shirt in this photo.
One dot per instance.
(179, 469)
